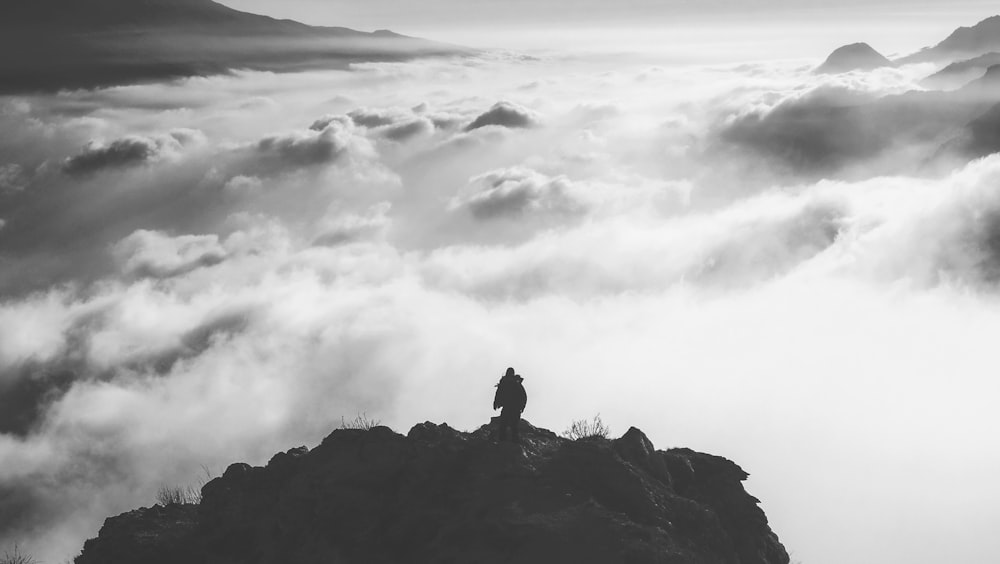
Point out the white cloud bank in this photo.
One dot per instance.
(236, 291)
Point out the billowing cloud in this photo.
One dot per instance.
(12, 177)
(128, 151)
(149, 253)
(505, 114)
(407, 130)
(328, 120)
(251, 285)
(346, 228)
(395, 124)
(829, 130)
(511, 193)
(377, 117)
(305, 149)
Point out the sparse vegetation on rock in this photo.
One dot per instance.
(14, 555)
(184, 495)
(176, 495)
(587, 429)
(360, 422)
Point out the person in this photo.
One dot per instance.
(512, 397)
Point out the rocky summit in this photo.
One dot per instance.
(437, 495)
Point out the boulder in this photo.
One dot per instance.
(441, 495)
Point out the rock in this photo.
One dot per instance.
(441, 495)
(857, 56)
(636, 448)
(717, 483)
(157, 535)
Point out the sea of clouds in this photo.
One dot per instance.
(213, 270)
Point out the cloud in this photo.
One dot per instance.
(395, 124)
(511, 193)
(407, 130)
(302, 149)
(342, 229)
(153, 254)
(505, 114)
(130, 151)
(328, 120)
(829, 130)
(12, 177)
(241, 184)
(369, 117)
(249, 288)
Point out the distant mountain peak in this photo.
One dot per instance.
(48, 45)
(982, 35)
(963, 42)
(856, 56)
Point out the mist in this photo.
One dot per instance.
(214, 269)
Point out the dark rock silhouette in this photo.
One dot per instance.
(963, 43)
(440, 495)
(961, 73)
(57, 44)
(857, 56)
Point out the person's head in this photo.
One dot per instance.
(510, 372)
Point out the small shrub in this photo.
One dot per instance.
(584, 429)
(171, 495)
(15, 556)
(362, 422)
(176, 495)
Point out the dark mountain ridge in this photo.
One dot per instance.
(438, 495)
(857, 56)
(961, 72)
(963, 44)
(136, 15)
(50, 45)
(831, 131)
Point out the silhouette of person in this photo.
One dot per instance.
(513, 399)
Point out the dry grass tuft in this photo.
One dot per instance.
(584, 429)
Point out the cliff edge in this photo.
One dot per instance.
(438, 495)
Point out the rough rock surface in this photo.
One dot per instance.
(438, 495)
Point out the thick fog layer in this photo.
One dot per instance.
(221, 268)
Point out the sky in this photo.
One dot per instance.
(219, 268)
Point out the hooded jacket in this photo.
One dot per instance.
(511, 393)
